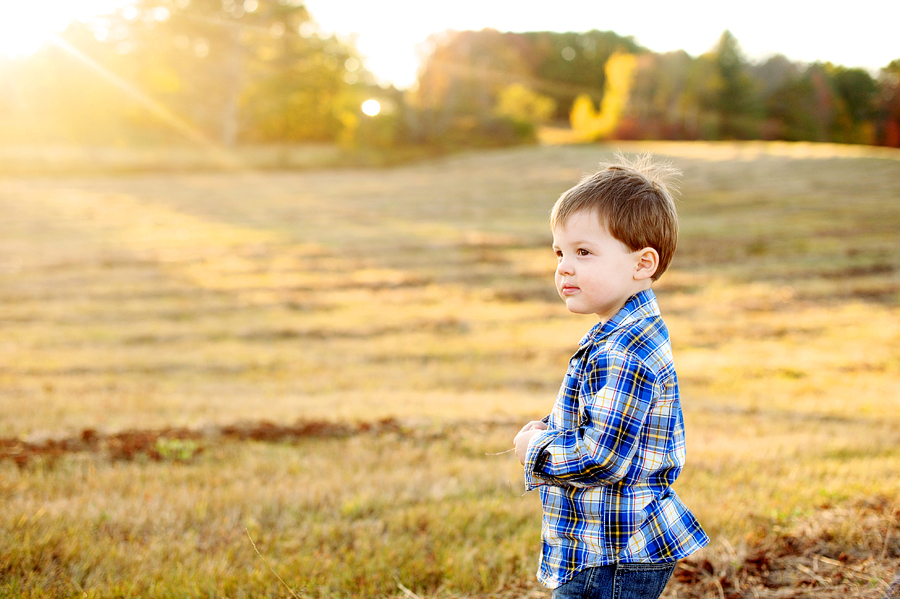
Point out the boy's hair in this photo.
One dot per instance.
(632, 200)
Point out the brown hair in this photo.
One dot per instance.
(632, 200)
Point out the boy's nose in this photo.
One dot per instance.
(563, 268)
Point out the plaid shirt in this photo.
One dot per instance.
(613, 448)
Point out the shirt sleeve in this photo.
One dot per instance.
(615, 398)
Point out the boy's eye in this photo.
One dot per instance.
(583, 252)
(558, 253)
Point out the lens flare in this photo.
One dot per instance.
(371, 107)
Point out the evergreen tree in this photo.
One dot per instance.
(735, 100)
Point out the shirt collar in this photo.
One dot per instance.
(640, 305)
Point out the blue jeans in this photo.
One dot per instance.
(619, 581)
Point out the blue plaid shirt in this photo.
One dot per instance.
(613, 448)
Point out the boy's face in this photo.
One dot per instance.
(595, 273)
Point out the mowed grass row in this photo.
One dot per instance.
(422, 293)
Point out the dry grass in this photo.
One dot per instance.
(422, 294)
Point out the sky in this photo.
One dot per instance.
(861, 33)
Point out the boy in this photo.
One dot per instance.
(606, 456)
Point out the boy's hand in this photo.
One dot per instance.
(525, 435)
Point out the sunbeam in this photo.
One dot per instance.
(186, 129)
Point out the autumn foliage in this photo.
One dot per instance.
(262, 72)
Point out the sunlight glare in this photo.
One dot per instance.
(371, 107)
(26, 26)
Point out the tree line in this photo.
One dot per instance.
(606, 86)
(261, 71)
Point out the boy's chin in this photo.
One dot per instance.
(574, 308)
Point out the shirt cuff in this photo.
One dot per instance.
(534, 459)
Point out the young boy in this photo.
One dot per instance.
(606, 456)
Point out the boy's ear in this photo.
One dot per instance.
(647, 263)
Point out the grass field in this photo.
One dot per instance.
(322, 362)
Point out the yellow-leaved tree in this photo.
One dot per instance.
(591, 125)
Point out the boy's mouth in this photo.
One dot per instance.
(568, 289)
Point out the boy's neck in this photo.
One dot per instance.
(643, 286)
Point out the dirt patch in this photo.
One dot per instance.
(179, 444)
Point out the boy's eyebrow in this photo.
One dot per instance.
(580, 242)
